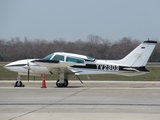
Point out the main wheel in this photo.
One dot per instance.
(59, 84)
(65, 84)
(18, 84)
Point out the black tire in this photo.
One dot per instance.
(65, 84)
(18, 84)
(59, 84)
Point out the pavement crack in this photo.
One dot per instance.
(70, 96)
(48, 105)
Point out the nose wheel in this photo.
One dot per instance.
(18, 82)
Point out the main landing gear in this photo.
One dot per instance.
(18, 82)
(62, 81)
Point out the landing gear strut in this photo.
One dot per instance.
(18, 82)
(62, 81)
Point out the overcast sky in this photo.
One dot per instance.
(76, 19)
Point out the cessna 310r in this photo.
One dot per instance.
(65, 64)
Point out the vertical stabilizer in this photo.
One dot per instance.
(140, 55)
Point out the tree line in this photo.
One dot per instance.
(95, 46)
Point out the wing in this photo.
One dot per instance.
(57, 66)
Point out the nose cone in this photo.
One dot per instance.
(8, 66)
(19, 66)
(15, 66)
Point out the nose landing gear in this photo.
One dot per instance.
(18, 82)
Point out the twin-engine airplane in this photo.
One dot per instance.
(65, 64)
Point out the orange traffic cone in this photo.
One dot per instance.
(43, 81)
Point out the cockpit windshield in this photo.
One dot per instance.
(90, 58)
(48, 57)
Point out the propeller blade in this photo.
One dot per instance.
(28, 69)
(28, 75)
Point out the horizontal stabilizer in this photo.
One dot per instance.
(131, 69)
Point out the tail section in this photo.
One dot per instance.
(140, 55)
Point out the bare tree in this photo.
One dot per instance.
(94, 46)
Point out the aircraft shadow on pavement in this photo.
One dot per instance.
(70, 87)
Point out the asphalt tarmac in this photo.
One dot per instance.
(93, 100)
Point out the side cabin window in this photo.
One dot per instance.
(75, 60)
(58, 58)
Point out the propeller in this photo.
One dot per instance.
(28, 67)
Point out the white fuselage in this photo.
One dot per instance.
(95, 67)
